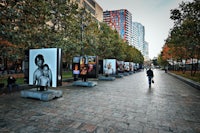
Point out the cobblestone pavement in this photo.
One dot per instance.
(125, 105)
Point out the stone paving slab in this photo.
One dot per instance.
(46, 95)
(125, 105)
(118, 75)
(85, 84)
(125, 73)
(106, 78)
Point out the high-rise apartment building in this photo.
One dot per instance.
(138, 34)
(93, 7)
(146, 50)
(121, 20)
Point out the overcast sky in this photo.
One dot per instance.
(154, 15)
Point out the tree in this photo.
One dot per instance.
(59, 23)
(161, 61)
(37, 24)
(119, 47)
(185, 34)
(104, 45)
(8, 53)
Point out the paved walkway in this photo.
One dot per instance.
(125, 105)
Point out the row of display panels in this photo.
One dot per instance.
(105, 66)
(44, 66)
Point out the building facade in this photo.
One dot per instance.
(138, 37)
(93, 7)
(121, 20)
(146, 51)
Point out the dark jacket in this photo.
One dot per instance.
(150, 73)
(11, 80)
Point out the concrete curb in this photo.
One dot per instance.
(188, 81)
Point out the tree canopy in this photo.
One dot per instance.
(184, 38)
(185, 35)
(59, 23)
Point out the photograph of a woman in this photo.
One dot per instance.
(83, 68)
(109, 66)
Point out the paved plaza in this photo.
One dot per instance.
(125, 105)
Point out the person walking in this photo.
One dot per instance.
(150, 76)
(84, 74)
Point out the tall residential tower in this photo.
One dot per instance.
(121, 20)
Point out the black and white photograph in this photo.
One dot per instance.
(43, 67)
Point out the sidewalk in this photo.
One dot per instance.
(125, 105)
(66, 81)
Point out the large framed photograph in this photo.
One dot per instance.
(109, 66)
(45, 67)
(131, 66)
(126, 66)
(83, 66)
(93, 67)
(76, 65)
(120, 66)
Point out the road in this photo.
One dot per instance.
(125, 105)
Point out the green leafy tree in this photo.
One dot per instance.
(37, 24)
(59, 23)
(161, 61)
(186, 32)
(104, 45)
(119, 51)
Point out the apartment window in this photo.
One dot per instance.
(91, 2)
(89, 8)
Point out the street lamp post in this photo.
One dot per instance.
(82, 32)
(82, 28)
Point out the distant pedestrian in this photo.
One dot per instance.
(84, 73)
(12, 83)
(150, 76)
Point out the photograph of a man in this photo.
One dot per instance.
(43, 67)
(42, 72)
